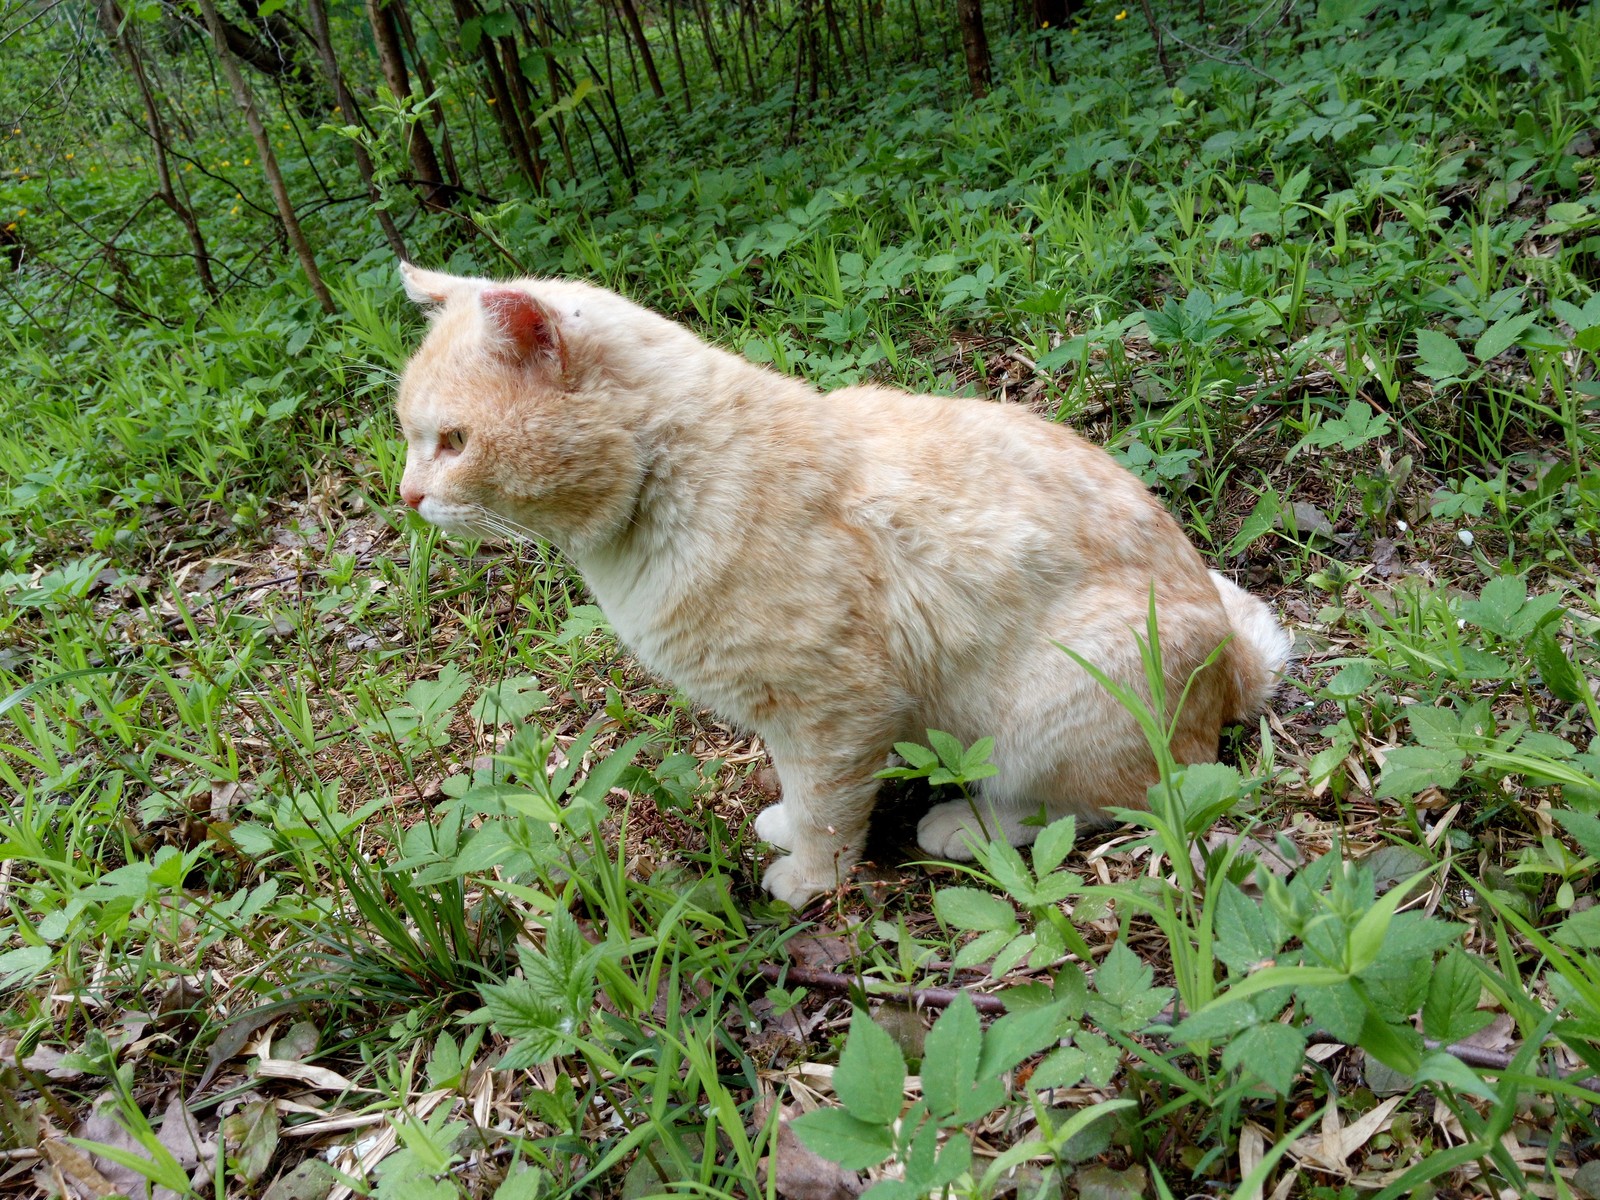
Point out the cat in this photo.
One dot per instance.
(836, 572)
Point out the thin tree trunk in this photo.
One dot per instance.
(541, 36)
(813, 66)
(126, 41)
(677, 54)
(749, 43)
(517, 85)
(424, 162)
(425, 77)
(1161, 48)
(347, 107)
(708, 33)
(861, 37)
(832, 19)
(969, 16)
(630, 15)
(505, 114)
(916, 24)
(269, 160)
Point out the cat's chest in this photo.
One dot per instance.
(685, 631)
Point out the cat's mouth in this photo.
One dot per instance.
(472, 521)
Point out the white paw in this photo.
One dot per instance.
(772, 826)
(947, 829)
(789, 881)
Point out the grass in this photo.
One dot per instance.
(365, 843)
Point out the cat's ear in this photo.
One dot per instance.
(434, 287)
(520, 328)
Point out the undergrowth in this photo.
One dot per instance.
(311, 816)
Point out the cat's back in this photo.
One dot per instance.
(995, 477)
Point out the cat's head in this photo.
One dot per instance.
(511, 423)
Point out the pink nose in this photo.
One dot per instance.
(410, 495)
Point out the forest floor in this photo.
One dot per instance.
(338, 858)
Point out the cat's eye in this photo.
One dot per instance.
(452, 441)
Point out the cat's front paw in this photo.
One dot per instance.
(773, 827)
(789, 880)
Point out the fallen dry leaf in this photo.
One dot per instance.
(320, 1078)
(799, 1173)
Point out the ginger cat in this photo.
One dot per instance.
(836, 572)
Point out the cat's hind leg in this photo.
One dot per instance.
(948, 830)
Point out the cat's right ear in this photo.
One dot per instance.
(434, 287)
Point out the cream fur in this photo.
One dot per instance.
(836, 572)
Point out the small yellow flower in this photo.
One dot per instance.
(69, 156)
(238, 195)
(188, 166)
(22, 212)
(226, 163)
(1121, 16)
(11, 227)
(247, 162)
(234, 211)
(491, 99)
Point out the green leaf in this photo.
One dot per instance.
(567, 103)
(871, 1075)
(948, 748)
(1408, 770)
(1054, 843)
(252, 1132)
(1257, 525)
(23, 964)
(526, 1183)
(1013, 953)
(1500, 336)
(1061, 1068)
(608, 773)
(1271, 1051)
(1016, 1035)
(1122, 976)
(976, 757)
(1439, 356)
(1214, 1023)
(433, 697)
(1440, 1066)
(1396, 1046)
(1338, 1009)
(1451, 1012)
(509, 701)
(499, 24)
(972, 909)
(1370, 932)
(983, 947)
(1558, 671)
(951, 1050)
(1581, 930)
(1582, 828)
(1246, 934)
(840, 1138)
(918, 756)
(1351, 681)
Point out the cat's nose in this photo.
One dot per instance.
(410, 495)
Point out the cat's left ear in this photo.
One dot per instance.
(521, 328)
(434, 287)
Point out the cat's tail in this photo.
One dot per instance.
(1258, 653)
